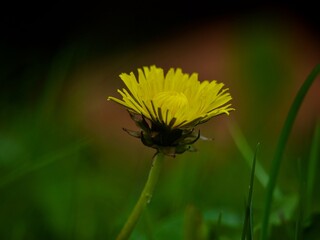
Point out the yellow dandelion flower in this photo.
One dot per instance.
(173, 104)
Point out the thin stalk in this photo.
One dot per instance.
(281, 146)
(144, 198)
(247, 232)
(247, 153)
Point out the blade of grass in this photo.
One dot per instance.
(247, 153)
(281, 146)
(247, 231)
(302, 199)
(312, 168)
(307, 177)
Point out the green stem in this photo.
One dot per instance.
(144, 198)
(281, 146)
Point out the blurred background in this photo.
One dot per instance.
(69, 171)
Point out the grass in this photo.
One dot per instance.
(284, 136)
(57, 182)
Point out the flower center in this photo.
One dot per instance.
(171, 100)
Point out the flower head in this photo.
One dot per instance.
(168, 106)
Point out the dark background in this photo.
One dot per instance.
(32, 33)
(47, 26)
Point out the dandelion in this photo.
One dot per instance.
(167, 108)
